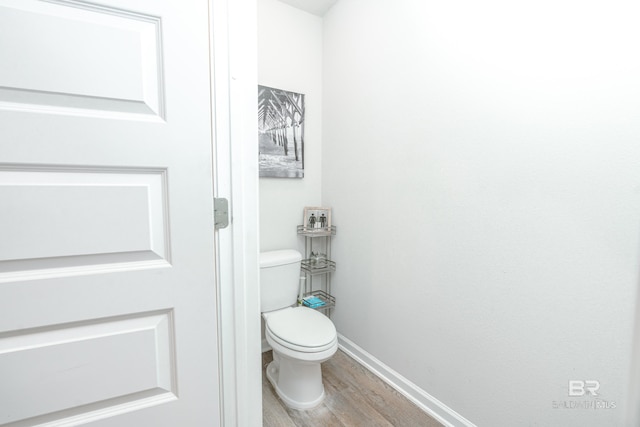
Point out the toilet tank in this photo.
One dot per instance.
(279, 279)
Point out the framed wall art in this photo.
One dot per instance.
(280, 133)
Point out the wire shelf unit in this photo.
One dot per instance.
(318, 267)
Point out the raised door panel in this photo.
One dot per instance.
(110, 365)
(80, 58)
(63, 220)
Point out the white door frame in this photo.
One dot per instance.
(234, 85)
(632, 413)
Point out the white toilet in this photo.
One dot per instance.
(301, 338)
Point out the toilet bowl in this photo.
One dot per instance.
(301, 339)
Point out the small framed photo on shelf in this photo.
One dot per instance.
(316, 218)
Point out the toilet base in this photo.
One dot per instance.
(297, 383)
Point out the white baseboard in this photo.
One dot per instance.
(415, 394)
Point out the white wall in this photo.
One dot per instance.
(483, 164)
(290, 58)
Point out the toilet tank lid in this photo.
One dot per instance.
(281, 257)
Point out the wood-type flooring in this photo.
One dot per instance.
(354, 397)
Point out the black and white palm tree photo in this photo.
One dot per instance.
(281, 133)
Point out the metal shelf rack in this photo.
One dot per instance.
(318, 270)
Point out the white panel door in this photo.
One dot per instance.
(107, 272)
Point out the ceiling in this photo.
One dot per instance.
(316, 7)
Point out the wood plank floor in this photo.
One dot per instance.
(354, 397)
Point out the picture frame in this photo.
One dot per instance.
(316, 218)
(281, 123)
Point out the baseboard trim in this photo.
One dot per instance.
(415, 394)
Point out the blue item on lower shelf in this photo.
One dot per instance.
(313, 301)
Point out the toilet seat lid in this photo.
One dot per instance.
(302, 326)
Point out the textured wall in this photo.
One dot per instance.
(483, 164)
(290, 58)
